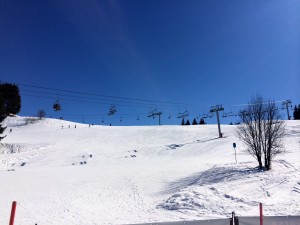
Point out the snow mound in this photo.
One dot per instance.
(18, 154)
(8, 148)
(220, 190)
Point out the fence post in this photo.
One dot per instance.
(261, 221)
(13, 212)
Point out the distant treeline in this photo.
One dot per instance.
(187, 122)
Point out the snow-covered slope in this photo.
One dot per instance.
(60, 174)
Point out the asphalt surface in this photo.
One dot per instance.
(267, 220)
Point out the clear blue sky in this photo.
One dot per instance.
(200, 53)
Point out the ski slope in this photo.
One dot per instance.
(60, 174)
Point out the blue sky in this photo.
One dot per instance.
(192, 53)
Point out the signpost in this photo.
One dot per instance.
(234, 146)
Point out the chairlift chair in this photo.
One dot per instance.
(112, 110)
(153, 113)
(224, 114)
(230, 114)
(57, 106)
(183, 114)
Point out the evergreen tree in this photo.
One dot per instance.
(187, 122)
(202, 122)
(10, 102)
(182, 121)
(295, 112)
(2, 129)
(194, 122)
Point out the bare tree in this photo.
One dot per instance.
(41, 114)
(262, 131)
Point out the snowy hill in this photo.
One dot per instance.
(60, 174)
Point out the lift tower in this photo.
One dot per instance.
(216, 109)
(285, 105)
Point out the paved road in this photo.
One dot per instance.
(195, 222)
(271, 220)
(268, 220)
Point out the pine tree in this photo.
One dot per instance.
(10, 102)
(2, 129)
(202, 122)
(187, 122)
(194, 122)
(295, 112)
(182, 121)
(298, 113)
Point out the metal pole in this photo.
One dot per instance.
(216, 109)
(287, 103)
(260, 214)
(159, 119)
(235, 155)
(287, 109)
(219, 127)
(13, 212)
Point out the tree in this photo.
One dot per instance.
(2, 129)
(10, 99)
(41, 114)
(187, 122)
(297, 112)
(10, 102)
(262, 131)
(182, 121)
(201, 122)
(194, 122)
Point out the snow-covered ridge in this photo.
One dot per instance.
(123, 175)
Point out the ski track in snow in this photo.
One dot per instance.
(123, 175)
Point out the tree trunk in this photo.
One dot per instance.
(260, 165)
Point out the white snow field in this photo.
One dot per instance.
(126, 175)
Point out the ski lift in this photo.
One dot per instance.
(169, 116)
(57, 106)
(224, 114)
(183, 114)
(230, 114)
(121, 119)
(154, 112)
(112, 110)
(138, 118)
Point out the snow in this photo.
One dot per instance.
(60, 174)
